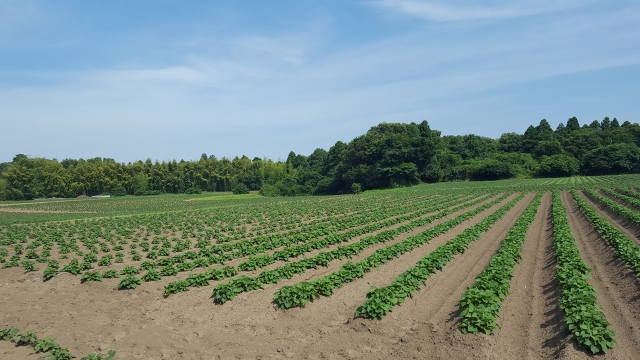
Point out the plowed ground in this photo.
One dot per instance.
(142, 324)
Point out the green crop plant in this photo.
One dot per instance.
(129, 270)
(382, 300)
(9, 333)
(626, 249)
(110, 274)
(151, 275)
(26, 339)
(29, 266)
(129, 282)
(481, 302)
(73, 267)
(584, 318)
(91, 276)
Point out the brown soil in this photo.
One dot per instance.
(141, 324)
(616, 285)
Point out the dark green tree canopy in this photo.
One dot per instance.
(388, 155)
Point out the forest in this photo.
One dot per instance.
(388, 155)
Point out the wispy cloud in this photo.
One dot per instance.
(438, 11)
(266, 93)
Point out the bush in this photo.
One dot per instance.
(269, 190)
(356, 188)
(118, 191)
(611, 159)
(239, 189)
(494, 170)
(193, 190)
(558, 166)
(147, 192)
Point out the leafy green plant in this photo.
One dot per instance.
(129, 282)
(110, 355)
(91, 276)
(110, 274)
(129, 270)
(26, 339)
(481, 302)
(176, 287)
(9, 333)
(46, 345)
(29, 266)
(151, 275)
(147, 265)
(73, 267)
(584, 318)
(49, 273)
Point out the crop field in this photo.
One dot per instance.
(531, 268)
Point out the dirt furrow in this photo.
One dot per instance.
(430, 319)
(619, 201)
(531, 322)
(617, 287)
(402, 333)
(630, 229)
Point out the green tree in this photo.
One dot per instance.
(612, 159)
(139, 183)
(573, 124)
(559, 165)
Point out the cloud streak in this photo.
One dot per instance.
(440, 12)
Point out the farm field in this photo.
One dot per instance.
(533, 268)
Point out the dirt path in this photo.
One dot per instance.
(617, 288)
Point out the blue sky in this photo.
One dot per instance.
(169, 80)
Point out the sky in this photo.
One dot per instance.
(164, 80)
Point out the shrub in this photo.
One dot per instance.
(269, 191)
(193, 190)
(147, 192)
(118, 191)
(239, 189)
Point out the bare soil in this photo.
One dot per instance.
(142, 324)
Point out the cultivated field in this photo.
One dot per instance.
(534, 269)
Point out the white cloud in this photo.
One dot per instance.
(437, 11)
(266, 95)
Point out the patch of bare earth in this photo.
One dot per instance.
(617, 287)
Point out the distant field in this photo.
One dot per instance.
(496, 269)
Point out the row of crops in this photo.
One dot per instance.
(239, 247)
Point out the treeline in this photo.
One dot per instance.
(388, 155)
